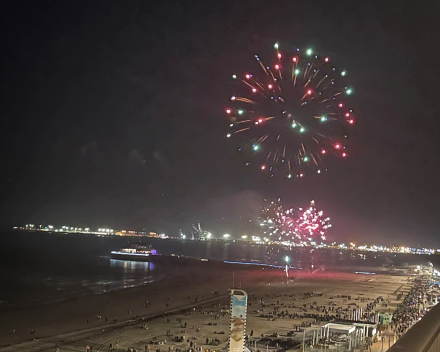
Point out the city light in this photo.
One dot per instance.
(269, 240)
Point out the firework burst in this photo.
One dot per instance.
(299, 225)
(311, 224)
(291, 115)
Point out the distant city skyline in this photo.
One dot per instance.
(236, 237)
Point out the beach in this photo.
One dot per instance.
(80, 313)
(99, 320)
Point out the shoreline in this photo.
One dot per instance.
(79, 314)
(18, 306)
(7, 306)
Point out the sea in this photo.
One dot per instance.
(40, 268)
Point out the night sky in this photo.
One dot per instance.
(112, 114)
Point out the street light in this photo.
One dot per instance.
(226, 235)
(287, 260)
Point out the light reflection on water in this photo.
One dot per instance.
(134, 273)
(130, 266)
(103, 275)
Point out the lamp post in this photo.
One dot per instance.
(287, 260)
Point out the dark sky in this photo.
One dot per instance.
(112, 114)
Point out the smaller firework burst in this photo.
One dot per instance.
(311, 225)
(304, 226)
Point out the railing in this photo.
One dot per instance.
(424, 336)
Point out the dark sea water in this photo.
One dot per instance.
(38, 268)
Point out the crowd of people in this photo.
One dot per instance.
(185, 337)
(411, 309)
(321, 313)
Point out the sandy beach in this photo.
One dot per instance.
(81, 313)
(74, 324)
